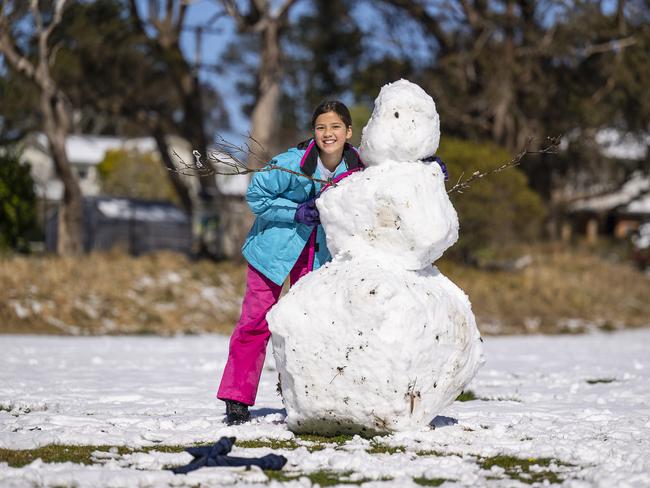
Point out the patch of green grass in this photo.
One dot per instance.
(430, 482)
(433, 453)
(466, 396)
(377, 448)
(500, 399)
(600, 380)
(322, 478)
(166, 448)
(311, 442)
(337, 439)
(608, 327)
(470, 396)
(54, 453)
(519, 469)
(270, 443)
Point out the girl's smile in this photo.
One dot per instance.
(331, 134)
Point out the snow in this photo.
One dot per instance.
(641, 205)
(612, 143)
(642, 239)
(623, 145)
(120, 208)
(404, 125)
(378, 340)
(543, 397)
(391, 349)
(396, 212)
(629, 193)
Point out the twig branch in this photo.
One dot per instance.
(339, 370)
(609, 46)
(227, 159)
(461, 185)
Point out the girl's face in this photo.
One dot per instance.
(331, 133)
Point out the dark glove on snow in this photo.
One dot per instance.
(443, 166)
(216, 455)
(307, 213)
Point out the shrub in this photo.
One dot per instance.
(132, 174)
(17, 203)
(497, 212)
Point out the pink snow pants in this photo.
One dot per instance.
(248, 342)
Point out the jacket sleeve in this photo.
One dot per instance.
(265, 196)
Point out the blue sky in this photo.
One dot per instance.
(377, 40)
(213, 44)
(212, 47)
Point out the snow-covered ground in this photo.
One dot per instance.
(583, 401)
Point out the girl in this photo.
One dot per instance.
(286, 240)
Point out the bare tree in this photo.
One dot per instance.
(54, 106)
(167, 19)
(261, 18)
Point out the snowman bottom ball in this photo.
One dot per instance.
(364, 348)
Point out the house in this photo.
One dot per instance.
(133, 225)
(617, 213)
(86, 152)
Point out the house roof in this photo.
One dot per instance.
(639, 206)
(132, 209)
(91, 150)
(614, 143)
(632, 198)
(621, 145)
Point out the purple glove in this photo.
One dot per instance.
(443, 166)
(307, 213)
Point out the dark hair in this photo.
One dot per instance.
(335, 106)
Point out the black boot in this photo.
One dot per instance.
(236, 412)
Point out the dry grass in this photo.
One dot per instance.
(113, 293)
(561, 291)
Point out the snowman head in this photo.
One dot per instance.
(404, 125)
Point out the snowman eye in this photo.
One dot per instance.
(397, 115)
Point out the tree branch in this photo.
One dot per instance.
(135, 15)
(10, 51)
(418, 12)
(56, 19)
(613, 45)
(462, 185)
(283, 9)
(231, 9)
(227, 158)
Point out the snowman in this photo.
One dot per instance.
(378, 340)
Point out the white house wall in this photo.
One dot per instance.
(86, 152)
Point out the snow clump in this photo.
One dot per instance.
(378, 340)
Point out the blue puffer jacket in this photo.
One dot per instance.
(275, 241)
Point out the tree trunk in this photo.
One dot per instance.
(56, 126)
(56, 117)
(263, 117)
(211, 202)
(504, 127)
(180, 187)
(193, 119)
